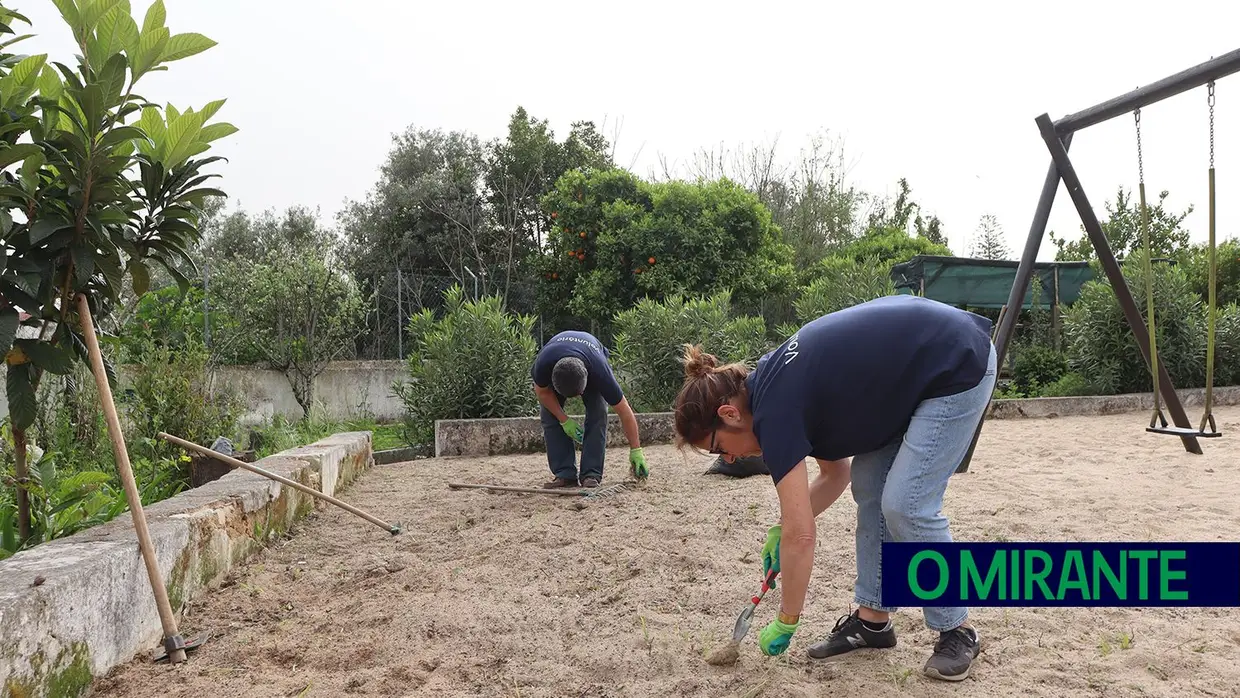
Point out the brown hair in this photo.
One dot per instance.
(707, 386)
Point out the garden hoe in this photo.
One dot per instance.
(587, 492)
(194, 642)
(729, 653)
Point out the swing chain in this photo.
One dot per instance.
(1210, 101)
(1140, 163)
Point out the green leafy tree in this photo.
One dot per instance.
(107, 184)
(299, 311)
(472, 362)
(650, 338)
(619, 239)
(524, 167)
(1122, 229)
(426, 212)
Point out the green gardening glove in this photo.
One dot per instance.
(770, 552)
(637, 464)
(775, 637)
(574, 430)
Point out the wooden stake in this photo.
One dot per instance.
(173, 642)
(228, 460)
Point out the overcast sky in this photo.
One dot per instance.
(944, 94)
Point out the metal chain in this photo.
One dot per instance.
(1140, 163)
(1210, 101)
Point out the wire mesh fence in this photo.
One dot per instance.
(398, 295)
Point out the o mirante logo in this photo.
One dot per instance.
(1061, 574)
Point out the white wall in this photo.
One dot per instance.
(347, 389)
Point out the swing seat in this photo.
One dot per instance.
(1184, 431)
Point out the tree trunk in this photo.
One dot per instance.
(303, 390)
(23, 497)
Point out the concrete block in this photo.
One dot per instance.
(489, 437)
(73, 608)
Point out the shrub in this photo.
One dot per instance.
(650, 337)
(1068, 385)
(842, 282)
(1227, 276)
(1037, 365)
(1227, 345)
(174, 391)
(1101, 346)
(473, 362)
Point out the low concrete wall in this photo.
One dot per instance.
(73, 608)
(482, 437)
(490, 437)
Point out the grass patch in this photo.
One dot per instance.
(388, 436)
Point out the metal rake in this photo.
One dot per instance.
(586, 492)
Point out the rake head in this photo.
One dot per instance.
(608, 491)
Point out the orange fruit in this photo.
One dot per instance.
(651, 260)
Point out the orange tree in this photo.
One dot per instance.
(617, 239)
(102, 184)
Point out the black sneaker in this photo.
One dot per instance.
(953, 653)
(850, 634)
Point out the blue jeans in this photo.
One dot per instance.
(899, 489)
(561, 449)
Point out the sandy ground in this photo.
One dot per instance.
(529, 595)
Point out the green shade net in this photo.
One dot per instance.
(985, 283)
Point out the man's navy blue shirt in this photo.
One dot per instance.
(848, 382)
(584, 346)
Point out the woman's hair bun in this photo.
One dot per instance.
(697, 362)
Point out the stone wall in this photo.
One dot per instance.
(73, 608)
(491, 437)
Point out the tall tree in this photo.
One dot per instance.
(293, 304)
(988, 239)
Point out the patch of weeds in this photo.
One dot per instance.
(1120, 641)
(901, 674)
(646, 638)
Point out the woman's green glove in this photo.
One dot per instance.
(637, 464)
(775, 637)
(574, 430)
(770, 551)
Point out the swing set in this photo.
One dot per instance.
(1058, 137)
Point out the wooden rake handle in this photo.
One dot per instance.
(393, 529)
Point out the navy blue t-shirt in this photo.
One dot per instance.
(848, 382)
(584, 346)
